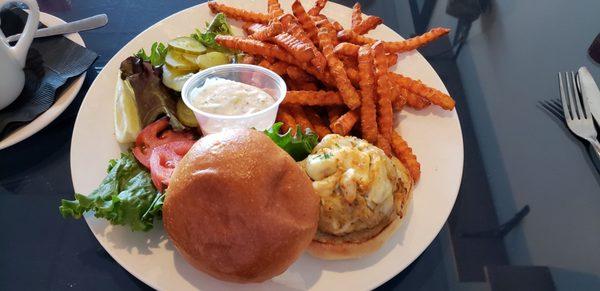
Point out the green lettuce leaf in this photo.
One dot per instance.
(125, 197)
(218, 26)
(298, 145)
(158, 52)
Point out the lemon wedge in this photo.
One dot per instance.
(127, 120)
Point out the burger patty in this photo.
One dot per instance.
(357, 236)
(357, 183)
(401, 198)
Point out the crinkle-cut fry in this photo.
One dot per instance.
(417, 41)
(346, 49)
(392, 59)
(351, 50)
(316, 10)
(347, 90)
(351, 67)
(349, 62)
(368, 110)
(293, 27)
(256, 47)
(415, 86)
(238, 14)
(299, 75)
(308, 86)
(413, 100)
(356, 18)
(345, 123)
(251, 27)
(353, 76)
(274, 8)
(300, 117)
(330, 30)
(274, 28)
(398, 103)
(404, 153)
(284, 116)
(300, 50)
(395, 46)
(337, 26)
(384, 91)
(280, 68)
(333, 113)
(367, 24)
(384, 144)
(254, 28)
(307, 23)
(350, 36)
(325, 77)
(252, 46)
(313, 98)
(317, 18)
(320, 128)
(248, 59)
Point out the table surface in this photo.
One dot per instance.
(516, 153)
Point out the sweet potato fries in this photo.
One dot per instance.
(338, 78)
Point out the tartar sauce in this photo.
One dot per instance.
(226, 97)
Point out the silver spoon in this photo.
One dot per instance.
(71, 27)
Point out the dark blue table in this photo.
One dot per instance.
(500, 60)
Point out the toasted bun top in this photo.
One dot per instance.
(239, 208)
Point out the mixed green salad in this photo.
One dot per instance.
(160, 129)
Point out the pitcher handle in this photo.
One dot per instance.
(19, 51)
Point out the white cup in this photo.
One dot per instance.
(260, 77)
(12, 59)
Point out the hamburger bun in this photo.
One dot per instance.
(239, 208)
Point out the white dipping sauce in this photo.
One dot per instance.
(226, 97)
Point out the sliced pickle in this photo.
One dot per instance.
(186, 115)
(212, 59)
(176, 60)
(174, 78)
(188, 45)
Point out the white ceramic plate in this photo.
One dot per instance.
(62, 102)
(434, 134)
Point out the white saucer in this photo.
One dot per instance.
(62, 102)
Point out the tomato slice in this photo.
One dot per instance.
(156, 134)
(164, 159)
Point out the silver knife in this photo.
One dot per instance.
(590, 91)
(66, 28)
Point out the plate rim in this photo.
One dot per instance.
(57, 108)
(376, 283)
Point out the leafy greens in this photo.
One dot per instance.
(298, 145)
(218, 26)
(125, 197)
(152, 98)
(158, 52)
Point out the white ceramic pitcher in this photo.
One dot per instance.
(12, 59)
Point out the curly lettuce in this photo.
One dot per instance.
(125, 197)
(218, 26)
(158, 52)
(298, 145)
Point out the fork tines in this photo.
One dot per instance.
(574, 107)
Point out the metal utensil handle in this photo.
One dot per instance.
(71, 27)
(595, 156)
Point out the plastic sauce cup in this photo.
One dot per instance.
(260, 77)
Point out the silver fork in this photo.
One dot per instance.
(576, 109)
